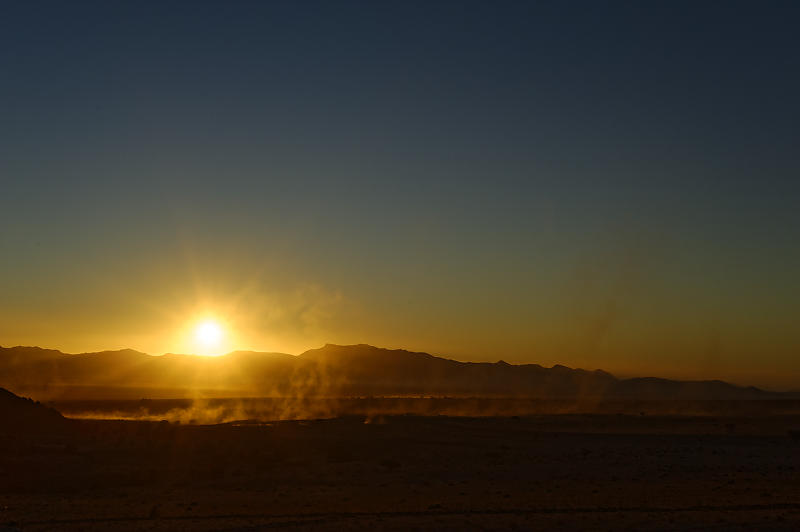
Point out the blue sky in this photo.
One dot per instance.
(607, 185)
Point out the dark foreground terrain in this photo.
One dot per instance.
(568, 472)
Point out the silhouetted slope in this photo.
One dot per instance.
(338, 370)
(19, 413)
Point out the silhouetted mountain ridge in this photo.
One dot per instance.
(341, 370)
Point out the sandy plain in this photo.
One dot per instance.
(402, 472)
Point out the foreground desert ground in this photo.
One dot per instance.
(567, 472)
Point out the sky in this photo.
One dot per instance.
(598, 184)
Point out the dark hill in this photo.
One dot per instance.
(651, 388)
(22, 414)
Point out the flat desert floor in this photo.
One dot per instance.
(564, 472)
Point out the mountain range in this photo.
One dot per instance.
(330, 371)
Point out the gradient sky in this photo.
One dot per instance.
(606, 185)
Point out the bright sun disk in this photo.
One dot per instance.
(208, 334)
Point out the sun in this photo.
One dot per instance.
(208, 333)
(208, 337)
